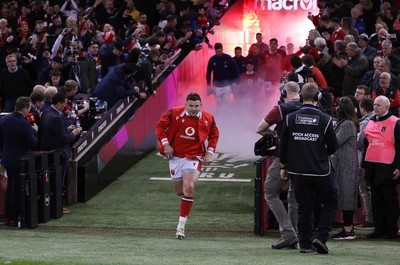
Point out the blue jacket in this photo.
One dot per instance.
(113, 87)
(18, 137)
(224, 69)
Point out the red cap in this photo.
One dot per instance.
(108, 37)
(130, 45)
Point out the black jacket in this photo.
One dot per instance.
(307, 140)
(379, 173)
(17, 137)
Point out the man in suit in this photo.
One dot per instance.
(55, 135)
(17, 138)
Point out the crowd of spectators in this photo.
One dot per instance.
(65, 55)
(54, 41)
(353, 55)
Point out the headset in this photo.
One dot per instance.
(340, 107)
(317, 96)
(283, 93)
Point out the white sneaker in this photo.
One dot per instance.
(180, 232)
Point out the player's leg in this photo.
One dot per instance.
(178, 187)
(190, 176)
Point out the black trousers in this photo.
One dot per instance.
(306, 190)
(12, 201)
(385, 207)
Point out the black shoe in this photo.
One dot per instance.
(375, 235)
(320, 246)
(292, 244)
(307, 250)
(391, 236)
(344, 235)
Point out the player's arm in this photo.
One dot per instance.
(161, 132)
(213, 137)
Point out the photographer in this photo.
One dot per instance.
(117, 85)
(273, 183)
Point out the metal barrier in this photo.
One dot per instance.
(261, 209)
(41, 189)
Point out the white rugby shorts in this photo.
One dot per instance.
(179, 166)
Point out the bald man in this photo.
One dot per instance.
(382, 167)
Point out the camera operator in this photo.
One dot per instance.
(273, 183)
(307, 140)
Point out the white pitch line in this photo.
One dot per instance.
(203, 179)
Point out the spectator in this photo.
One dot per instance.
(88, 68)
(388, 90)
(39, 88)
(44, 74)
(310, 47)
(368, 15)
(361, 92)
(337, 34)
(142, 23)
(88, 31)
(394, 59)
(372, 75)
(354, 69)
(367, 112)
(17, 137)
(70, 9)
(349, 38)
(365, 49)
(56, 28)
(149, 67)
(70, 89)
(117, 57)
(55, 79)
(14, 83)
(309, 62)
(356, 20)
(347, 26)
(345, 163)
(48, 95)
(301, 70)
(375, 41)
(117, 85)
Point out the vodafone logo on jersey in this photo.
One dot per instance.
(292, 4)
(190, 131)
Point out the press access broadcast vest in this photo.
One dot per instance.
(381, 141)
